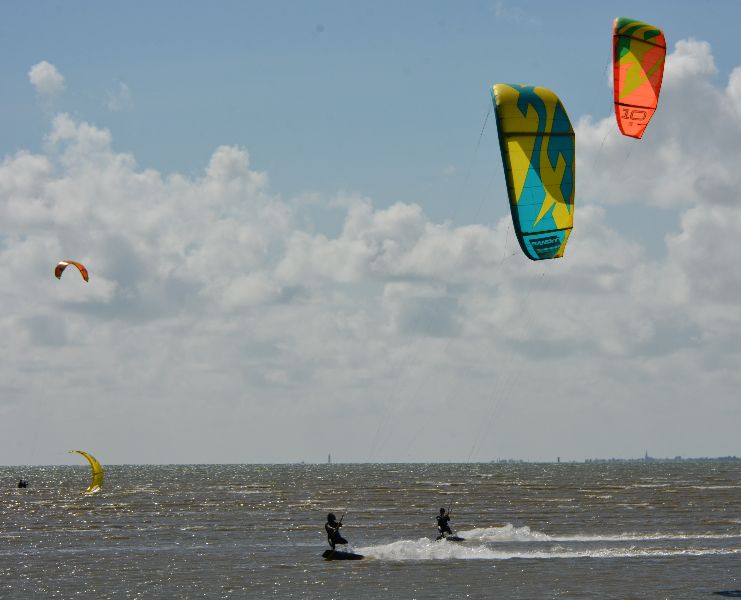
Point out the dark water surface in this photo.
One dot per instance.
(256, 531)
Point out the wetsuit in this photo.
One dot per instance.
(443, 526)
(333, 533)
(22, 483)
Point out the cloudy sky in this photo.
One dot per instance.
(299, 242)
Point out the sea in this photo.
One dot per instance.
(592, 531)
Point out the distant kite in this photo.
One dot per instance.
(65, 263)
(97, 472)
(538, 150)
(639, 53)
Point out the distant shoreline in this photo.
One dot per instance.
(501, 461)
(651, 459)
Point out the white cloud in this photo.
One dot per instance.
(682, 159)
(47, 80)
(214, 313)
(691, 58)
(734, 91)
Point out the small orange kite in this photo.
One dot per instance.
(65, 263)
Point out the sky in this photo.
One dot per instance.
(299, 241)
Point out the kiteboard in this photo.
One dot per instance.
(341, 555)
(451, 538)
(729, 593)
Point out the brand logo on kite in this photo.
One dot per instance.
(635, 114)
(546, 246)
(549, 241)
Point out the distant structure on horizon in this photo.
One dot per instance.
(651, 459)
(643, 459)
(329, 459)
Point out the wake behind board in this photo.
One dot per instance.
(341, 555)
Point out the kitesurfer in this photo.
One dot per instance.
(332, 527)
(443, 524)
(22, 483)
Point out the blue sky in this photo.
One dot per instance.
(290, 223)
(376, 97)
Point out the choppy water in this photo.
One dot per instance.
(248, 531)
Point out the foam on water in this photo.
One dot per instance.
(510, 533)
(715, 487)
(638, 537)
(426, 549)
(490, 543)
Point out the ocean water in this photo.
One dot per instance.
(643, 530)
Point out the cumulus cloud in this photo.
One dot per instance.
(684, 166)
(47, 80)
(690, 59)
(215, 310)
(734, 91)
(683, 157)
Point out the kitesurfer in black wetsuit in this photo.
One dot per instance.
(443, 526)
(22, 483)
(332, 526)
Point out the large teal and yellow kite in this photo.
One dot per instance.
(538, 151)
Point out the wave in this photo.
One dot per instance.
(510, 533)
(426, 549)
(715, 487)
(507, 533)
